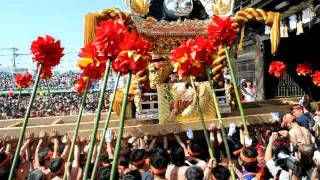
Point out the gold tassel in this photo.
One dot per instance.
(275, 33)
(90, 23)
(240, 46)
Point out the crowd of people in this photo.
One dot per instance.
(289, 148)
(58, 104)
(58, 81)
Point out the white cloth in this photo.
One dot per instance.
(271, 165)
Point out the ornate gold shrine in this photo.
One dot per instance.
(166, 35)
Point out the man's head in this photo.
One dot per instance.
(158, 165)
(137, 158)
(194, 149)
(57, 166)
(177, 155)
(36, 175)
(220, 172)
(297, 110)
(4, 172)
(194, 173)
(105, 172)
(287, 120)
(132, 175)
(4, 159)
(248, 159)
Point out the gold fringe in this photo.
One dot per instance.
(240, 46)
(275, 33)
(91, 21)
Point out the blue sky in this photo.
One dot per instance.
(22, 21)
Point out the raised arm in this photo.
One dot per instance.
(26, 144)
(76, 161)
(66, 141)
(152, 144)
(108, 139)
(180, 142)
(54, 136)
(268, 155)
(42, 134)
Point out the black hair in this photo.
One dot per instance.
(306, 152)
(177, 155)
(250, 153)
(3, 156)
(56, 164)
(105, 173)
(194, 147)
(104, 159)
(317, 141)
(307, 105)
(194, 173)
(42, 159)
(159, 162)
(36, 175)
(254, 142)
(220, 172)
(281, 149)
(138, 155)
(124, 157)
(4, 172)
(132, 175)
(61, 148)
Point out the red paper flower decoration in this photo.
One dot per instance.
(134, 55)
(191, 57)
(316, 78)
(23, 81)
(46, 73)
(277, 68)
(222, 30)
(47, 51)
(81, 84)
(91, 64)
(304, 69)
(109, 34)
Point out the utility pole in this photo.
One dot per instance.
(14, 55)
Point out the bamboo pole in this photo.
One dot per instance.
(106, 125)
(121, 126)
(24, 125)
(75, 134)
(224, 137)
(206, 135)
(97, 119)
(236, 91)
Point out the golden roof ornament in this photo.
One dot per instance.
(218, 7)
(139, 7)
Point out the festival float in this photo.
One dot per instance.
(161, 98)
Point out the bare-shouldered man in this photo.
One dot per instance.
(297, 134)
